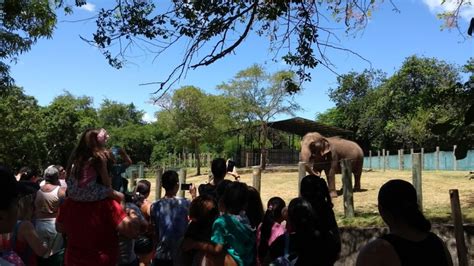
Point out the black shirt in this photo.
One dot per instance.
(429, 251)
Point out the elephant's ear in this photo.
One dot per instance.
(325, 146)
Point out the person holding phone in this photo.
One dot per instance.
(232, 170)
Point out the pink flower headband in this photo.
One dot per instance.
(102, 137)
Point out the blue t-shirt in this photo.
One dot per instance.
(236, 235)
(170, 216)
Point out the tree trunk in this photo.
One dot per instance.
(198, 158)
(263, 148)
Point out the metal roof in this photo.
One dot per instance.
(300, 126)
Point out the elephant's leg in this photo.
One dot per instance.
(331, 176)
(357, 175)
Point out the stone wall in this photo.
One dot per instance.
(353, 239)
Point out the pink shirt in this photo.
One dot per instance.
(277, 230)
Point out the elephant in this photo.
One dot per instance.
(325, 154)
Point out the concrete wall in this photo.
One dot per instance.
(353, 239)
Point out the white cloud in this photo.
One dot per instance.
(149, 118)
(435, 6)
(88, 7)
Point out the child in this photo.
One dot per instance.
(87, 169)
(170, 218)
(231, 232)
(202, 214)
(272, 227)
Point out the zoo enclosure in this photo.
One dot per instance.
(438, 160)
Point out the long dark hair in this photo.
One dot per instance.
(315, 190)
(87, 149)
(274, 207)
(399, 198)
(254, 209)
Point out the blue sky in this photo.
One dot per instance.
(67, 63)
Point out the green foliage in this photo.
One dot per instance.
(193, 121)
(403, 110)
(63, 121)
(114, 114)
(139, 141)
(20, 143)
(24, 22)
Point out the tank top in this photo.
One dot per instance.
(47, 202)
(429, 251)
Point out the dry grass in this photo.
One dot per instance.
(436, 200)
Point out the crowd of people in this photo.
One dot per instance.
(84, 215)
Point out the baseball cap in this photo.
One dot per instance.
(10, 188)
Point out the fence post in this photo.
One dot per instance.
(400, 160)
(347, 188)
(422, 158)
(133, 179)
(402, 152)
(437, 158)
(159, 175)
(301, 174)
(370, 159)
(416, 176)
(257, 177)
(387, 158)
(455, 163)
(247, 159)
(182, 180)
(383, 158)
(458, 227)
(378, 159)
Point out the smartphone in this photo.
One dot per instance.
(186, 186)
(230, 166)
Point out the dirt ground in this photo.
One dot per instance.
(436, 186)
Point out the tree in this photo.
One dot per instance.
(418, 106)
(23, 23)
(114, 114)
(193, 118)
(64, 120)
(138, 140)
(298, 31)
(259, 97)
(20, 143)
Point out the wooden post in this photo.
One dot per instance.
(458, 227)
(387, 158)
(437, 158)
(422, 158)
(257, 177)
(182, 180)
(403, 158)
(400, 162)
(159, 175)
(301, 174)
(378, 160)
(209, 161)
(383, 158)
(190, 160)
(141, 170)
(416, 176)
(133, 179)
(347, 188)
(455, 163)
(247, 162)
(370, 159)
